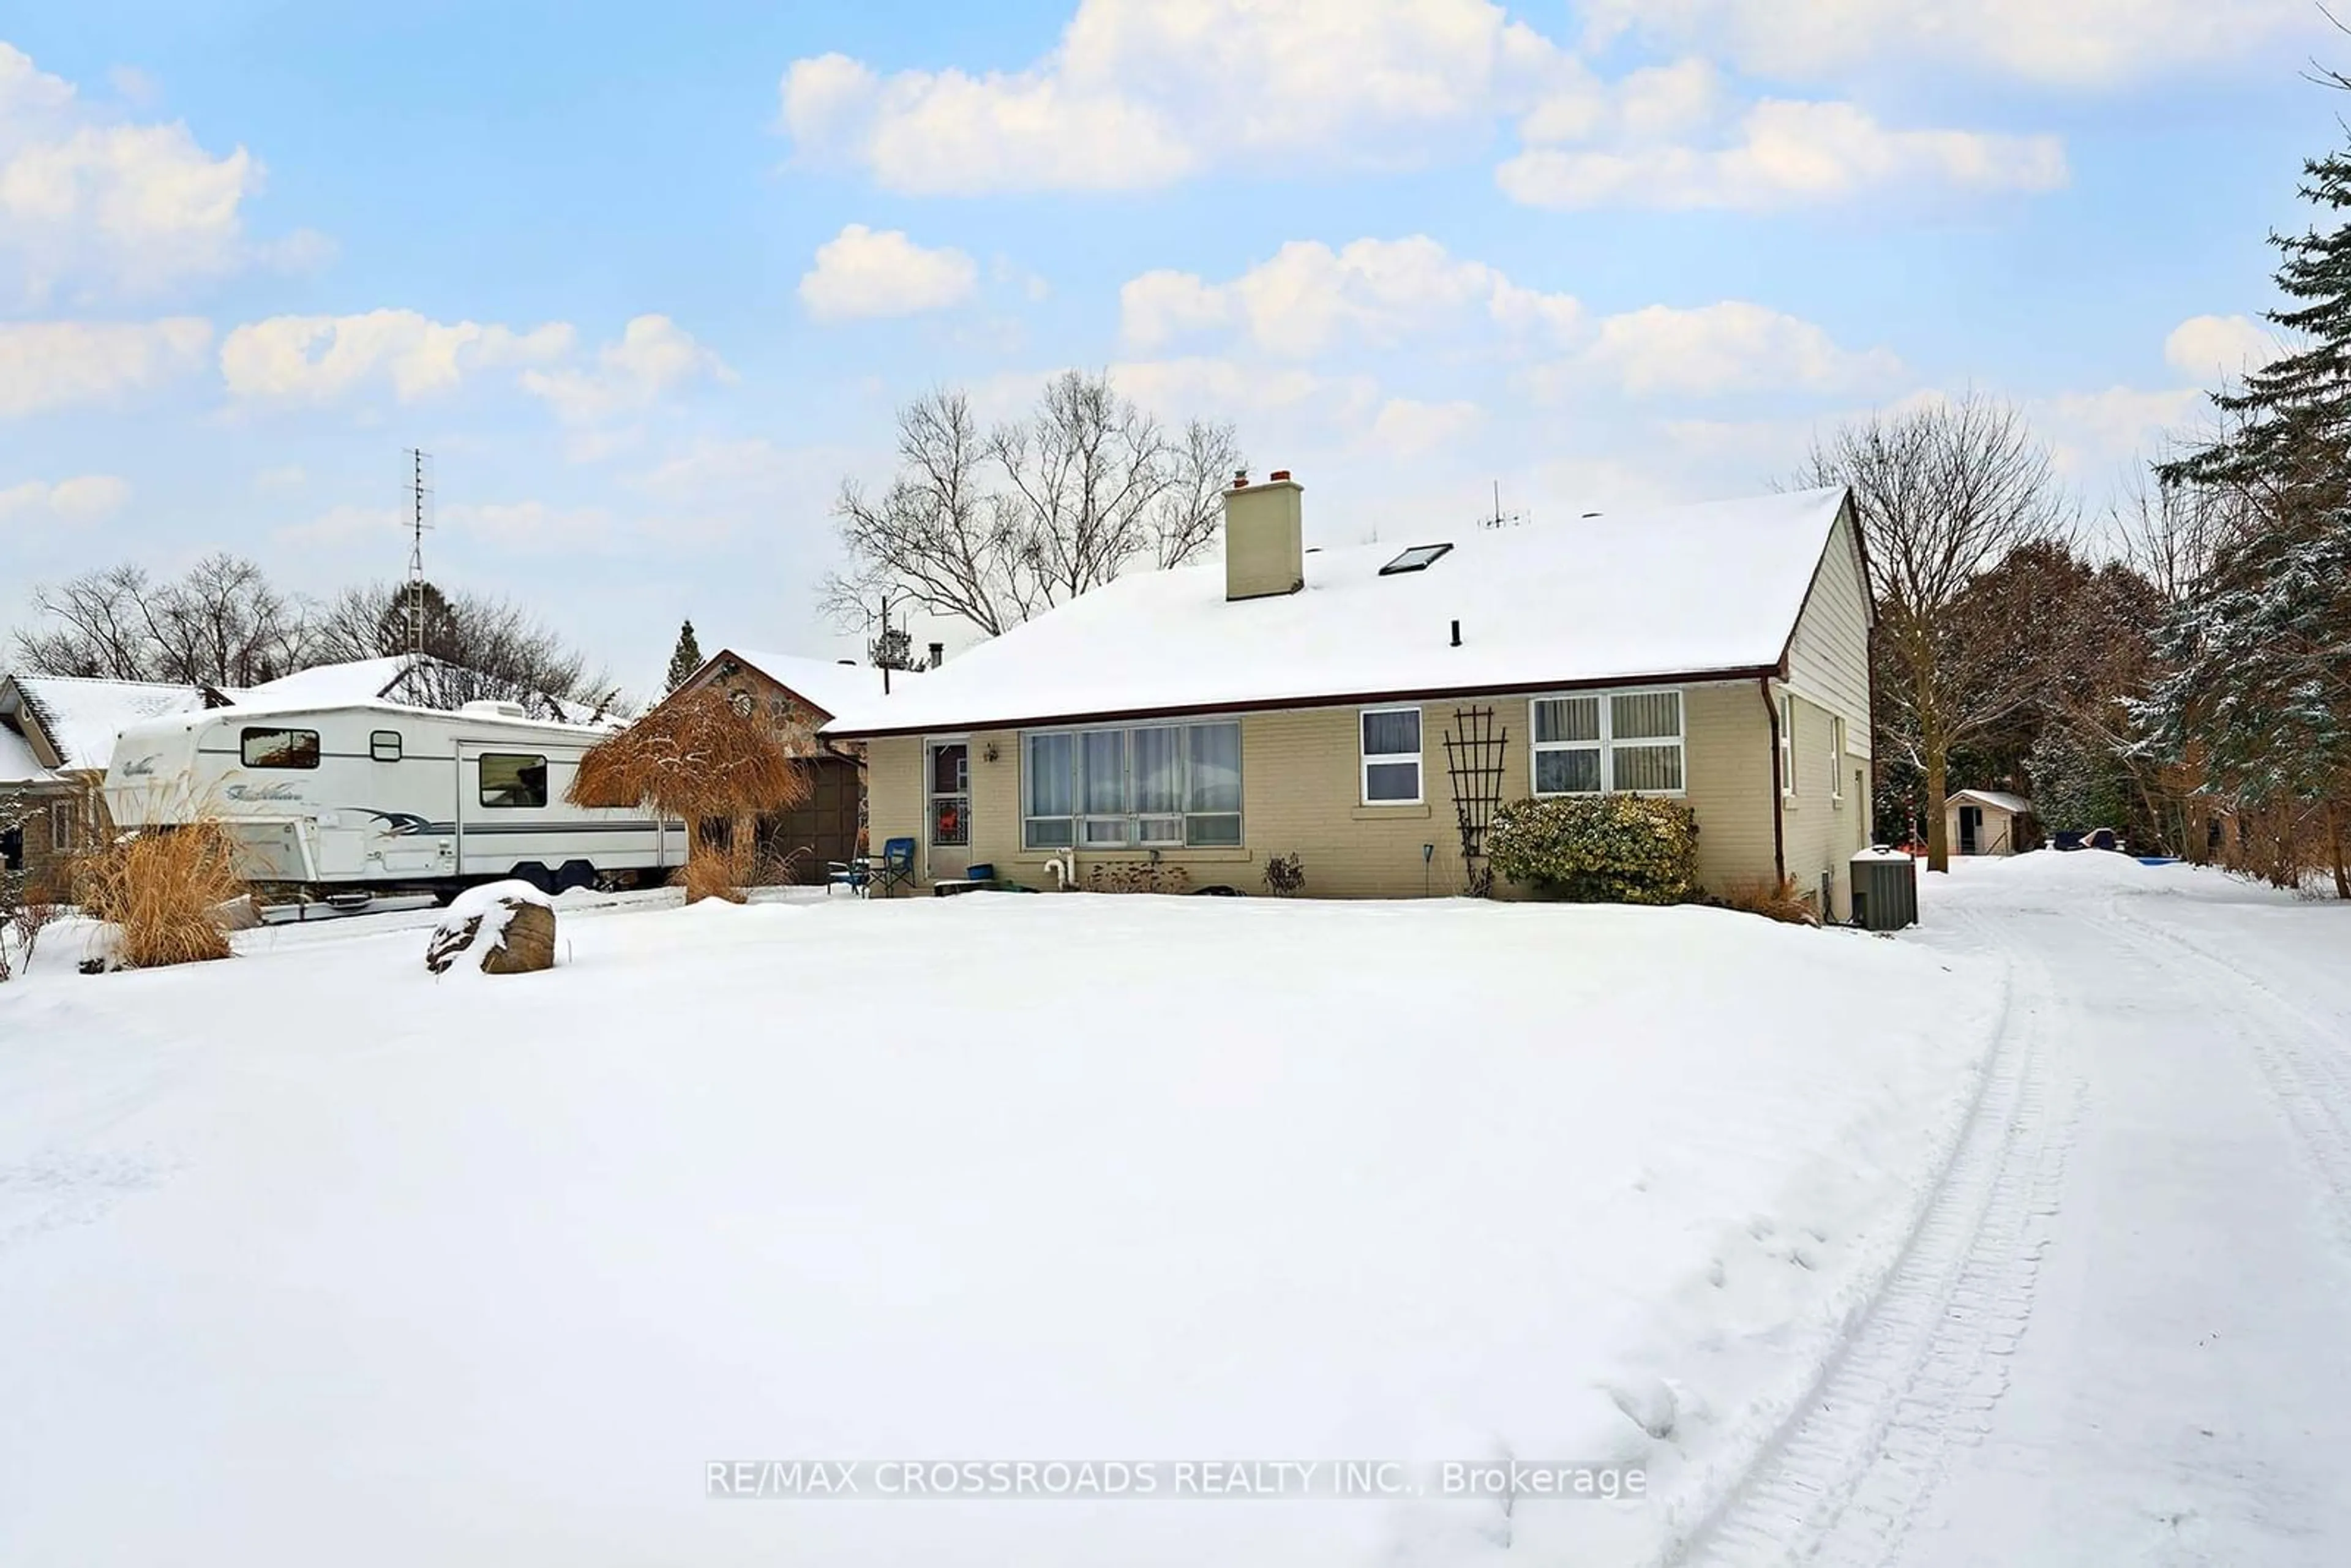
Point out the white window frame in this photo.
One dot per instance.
(1607, 742)
(1365, 760)
(1837, 759)
(1787, 744)
(1132, 820)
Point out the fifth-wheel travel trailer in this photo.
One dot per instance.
(357, 801)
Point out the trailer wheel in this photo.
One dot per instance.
(575, 873)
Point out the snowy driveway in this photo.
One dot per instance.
(2123, 1335)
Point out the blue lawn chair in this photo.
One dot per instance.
(895, 869)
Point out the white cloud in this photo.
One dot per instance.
(317, 359)
(53, 364)
(1308, 299)
(1210, 387)
(1141, 93)
(289, 476)
(2121, 422)
(867, 272)
(88, 498)
(1406, 427)
(653, 355)
(1731, 346)
(1779, 153)
(2064, 42)
(340, 524)
(2223, 346)
(91, 204)
(532, 527)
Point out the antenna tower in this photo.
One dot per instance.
(420, 507)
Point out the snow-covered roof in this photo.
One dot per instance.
(1682, 592)
(2015, 805)
(17, 763)
(830, 685)
(81, 717)
(356, 681)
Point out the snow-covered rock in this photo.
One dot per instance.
(501, 928)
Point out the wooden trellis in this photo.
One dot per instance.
(1474, 750)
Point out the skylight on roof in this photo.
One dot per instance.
(1418, 558)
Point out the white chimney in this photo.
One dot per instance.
(1265, 536)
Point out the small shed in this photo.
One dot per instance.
(1986, 822)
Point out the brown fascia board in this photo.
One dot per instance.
(1343, 699)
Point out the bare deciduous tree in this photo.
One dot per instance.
(995, 528)
(221, 623)
(483, 648)
(1944, 491)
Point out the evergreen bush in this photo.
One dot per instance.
(1598, 849)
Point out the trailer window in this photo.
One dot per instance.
(511, 780)
(279, 748)
(383, 744)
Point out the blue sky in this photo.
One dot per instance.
(648, 282)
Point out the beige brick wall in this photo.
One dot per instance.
(1300, 787)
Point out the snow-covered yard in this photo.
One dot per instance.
(307, 1256)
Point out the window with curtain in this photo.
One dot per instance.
(1630, 742)
(1391, 738)
(1159, 787)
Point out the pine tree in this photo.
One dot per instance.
(2259, 686)
(685, 660)
(892, 650)
(2289, 422)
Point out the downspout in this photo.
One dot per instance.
(1779, 809)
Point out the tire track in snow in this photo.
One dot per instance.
(2309, 1081)
(1928, 1360)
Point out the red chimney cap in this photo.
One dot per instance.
(1278, 475)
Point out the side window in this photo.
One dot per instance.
(512, 780)
(278, 747)
(1787, 744)
(1837, 759)
(1391, 760)
(383, 744)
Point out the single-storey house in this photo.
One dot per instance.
(58, 732)
(803, 694)
(1354, 705)
(1986, 822)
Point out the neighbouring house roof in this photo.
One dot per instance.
(81, 718)
(2015, 805)
(357, 681)
(17, 763)
(1681, 592)
(831, 686)
(409, 680)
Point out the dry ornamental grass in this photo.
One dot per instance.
(159, 889)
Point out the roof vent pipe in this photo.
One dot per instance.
(1457, 633)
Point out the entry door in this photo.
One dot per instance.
(1970, 827)
(947, 821)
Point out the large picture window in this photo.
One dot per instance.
(1391, 737)
(278, 747)
(1160, 786)
(1626, 742)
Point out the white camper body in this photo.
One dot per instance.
(373, 797)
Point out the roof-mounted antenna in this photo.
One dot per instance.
(1499, 518)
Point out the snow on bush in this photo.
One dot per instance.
(1598, 849)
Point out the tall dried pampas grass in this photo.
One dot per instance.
(159, 890)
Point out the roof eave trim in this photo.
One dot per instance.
(1276, 704)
